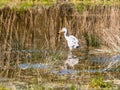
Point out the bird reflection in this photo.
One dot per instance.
(71, 61)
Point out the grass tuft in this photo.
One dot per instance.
(99, 83)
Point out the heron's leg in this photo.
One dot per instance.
(65, 66)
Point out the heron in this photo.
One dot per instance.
(72, 41)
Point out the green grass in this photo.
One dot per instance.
(3, 87)
(48, 2)
(3, 3)
(80, 7)
(92, 40)
(99, 83)
(73, 87)
(98, 2)
(24, 4)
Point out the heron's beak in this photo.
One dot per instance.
(60, 31)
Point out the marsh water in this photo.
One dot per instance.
(45, 69)
(34, 57)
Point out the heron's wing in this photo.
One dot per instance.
(73, 38)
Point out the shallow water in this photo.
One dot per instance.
(71, 61)
(56, 66)
(34, 66)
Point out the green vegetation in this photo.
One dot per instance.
(99, 83)
(3, 3)
(95, 42)
(80, 7)
(48, 2)
(37, 87)
(24, 4)
(92, 39)
(73, 87)
(97, 2)
(3, 87)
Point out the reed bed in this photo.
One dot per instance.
(36, 28)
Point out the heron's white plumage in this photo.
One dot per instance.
(72, 41)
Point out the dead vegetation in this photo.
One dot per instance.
(97, 25)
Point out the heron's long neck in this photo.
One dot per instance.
(66, 34)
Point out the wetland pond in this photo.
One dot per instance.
(34, 57)
(45, 69)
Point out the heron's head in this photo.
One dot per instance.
(63, 30)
